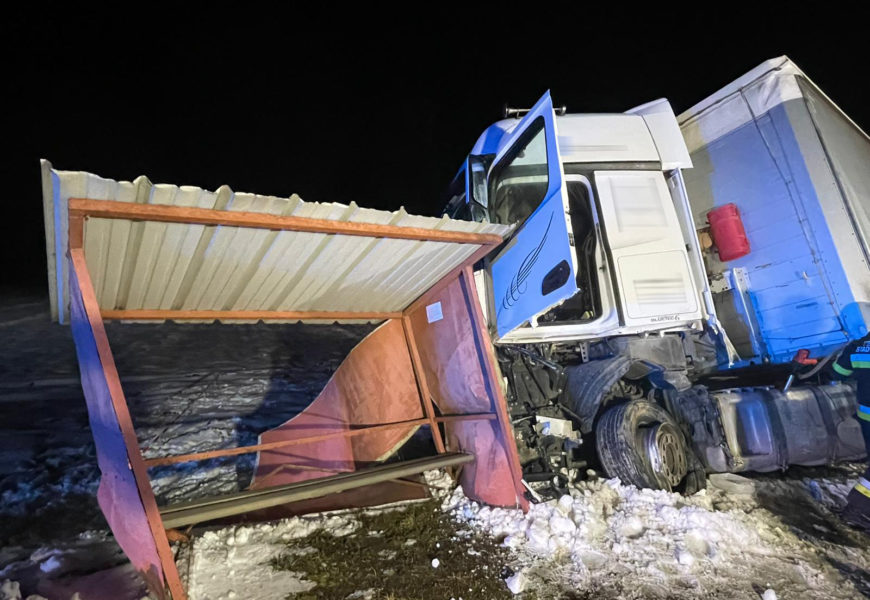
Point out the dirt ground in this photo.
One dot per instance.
(392, 554)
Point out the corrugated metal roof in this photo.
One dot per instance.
(154, 265)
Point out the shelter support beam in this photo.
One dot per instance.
(171, 460)
(243, 315)
(423, 386)
(197, 511)
(119, 403)
(112, 209)
(490, 370)
(195, 456)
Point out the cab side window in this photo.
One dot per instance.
(519, 182)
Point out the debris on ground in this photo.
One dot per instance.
(622, 542)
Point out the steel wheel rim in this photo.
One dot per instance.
(666, 453)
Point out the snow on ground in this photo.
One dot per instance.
(212, 386)
(606, 540)
(619, 541)
(229, 563)
(224, 563)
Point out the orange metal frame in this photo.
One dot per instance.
(80, 209)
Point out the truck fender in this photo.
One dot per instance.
(587, 385)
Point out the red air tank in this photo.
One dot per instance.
(727, 231)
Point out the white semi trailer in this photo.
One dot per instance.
(663, 273)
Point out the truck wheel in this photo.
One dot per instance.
(641, 444)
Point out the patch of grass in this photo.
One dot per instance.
(379, 556)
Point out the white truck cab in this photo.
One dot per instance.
(605, 244)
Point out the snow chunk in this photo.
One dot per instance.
(592, 560)
(768, 594)
(565, 504)
(539, 536)
(697, 544)
(632, 528)
(733, 484)
(10, 590)
(50, 564)
(517, 582)
(561, 525)
(439, 482)
(685, 558)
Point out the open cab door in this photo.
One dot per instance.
(526, 186)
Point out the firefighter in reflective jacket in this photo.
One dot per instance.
(854, 361)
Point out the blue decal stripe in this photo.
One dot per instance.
(864, 412)
(517, 285)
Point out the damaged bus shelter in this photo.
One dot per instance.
(133, 251)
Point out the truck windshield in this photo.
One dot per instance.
(519, 181)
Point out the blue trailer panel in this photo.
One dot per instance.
(758, 143)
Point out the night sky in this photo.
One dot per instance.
(277, 103)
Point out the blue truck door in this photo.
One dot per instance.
(536, 270)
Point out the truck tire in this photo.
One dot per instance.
(642, 445)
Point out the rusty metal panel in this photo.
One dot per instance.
(118, 495)
(453, 364)
(374, 385)
(174, 266)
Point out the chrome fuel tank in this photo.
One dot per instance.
(765, 429)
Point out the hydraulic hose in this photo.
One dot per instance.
(819, 365)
